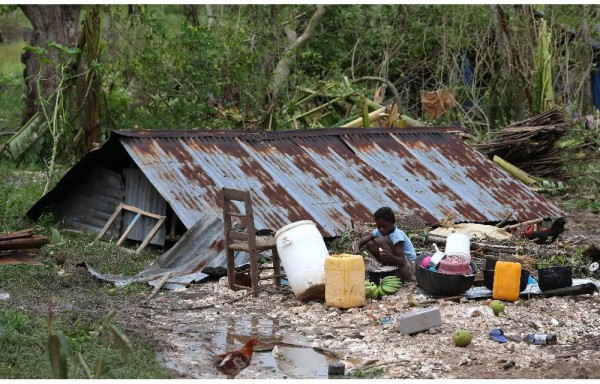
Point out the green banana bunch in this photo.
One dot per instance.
(388, 286)
(371, 290)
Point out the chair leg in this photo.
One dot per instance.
(276, 266)
(254, 271)
(230, 267)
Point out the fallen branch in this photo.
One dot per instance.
(503, 222)
(515, 226)
(158, 286)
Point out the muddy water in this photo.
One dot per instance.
(281, 353)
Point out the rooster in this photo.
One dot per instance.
(60, 260)
(232, 363)
(543, 235)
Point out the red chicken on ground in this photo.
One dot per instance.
(545, 235)
(232, 363)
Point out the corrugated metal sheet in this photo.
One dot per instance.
(332, 176)
(89, 205)
(140, 193)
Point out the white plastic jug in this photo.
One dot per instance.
(303, 253)
(458, 244)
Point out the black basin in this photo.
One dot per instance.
(488, 279)
(443, 284)
(554, 278)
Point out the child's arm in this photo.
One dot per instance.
(361, 243)
(395, 258)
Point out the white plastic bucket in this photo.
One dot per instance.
(303, 253)
(458, 244)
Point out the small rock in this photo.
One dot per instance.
(554, 322)
(510, 347)
(509, 364)
(536, 363)
(336, 369)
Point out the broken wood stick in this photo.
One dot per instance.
(503, 221)
(158, 286)
(18, 234)
(515, 226)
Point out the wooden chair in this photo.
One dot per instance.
(246, 240)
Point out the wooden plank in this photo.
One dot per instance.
(124, 235)
(238, 235)
(273, 276)
(235, 214)
(36, 241)
(141, 211)
(110, 221)
(234, 194)
(17, 234)
(151, 234)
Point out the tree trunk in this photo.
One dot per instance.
(282, 70)
(191, 14)
(89, 87)
(57, 23)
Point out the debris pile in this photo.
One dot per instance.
(18, 247)
(531, 145)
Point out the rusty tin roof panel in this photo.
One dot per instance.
(331, 176)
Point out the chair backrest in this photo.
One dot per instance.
(229, 212)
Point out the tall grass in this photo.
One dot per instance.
(24, 352)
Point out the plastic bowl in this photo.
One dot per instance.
(454, 265)
(443, 284)
(555, 277)
(488, 279)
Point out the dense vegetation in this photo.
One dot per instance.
(264, 67)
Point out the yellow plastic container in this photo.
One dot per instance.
(507, 281)
(345, 281)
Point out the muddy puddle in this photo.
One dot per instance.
(282, 353)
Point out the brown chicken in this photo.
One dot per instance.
(232, 363)
(60, 260)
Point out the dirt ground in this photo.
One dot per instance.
(300, 340)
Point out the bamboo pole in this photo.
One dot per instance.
(373, 116)
(365, 114)
(411, 122)
(515, 171)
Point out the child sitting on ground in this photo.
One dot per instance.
(389, 245)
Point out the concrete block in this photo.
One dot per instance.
(418, 320)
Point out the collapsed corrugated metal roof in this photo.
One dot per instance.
(330, 176)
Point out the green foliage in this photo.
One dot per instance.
(367, 373)
(22, 186)
(25, 355)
